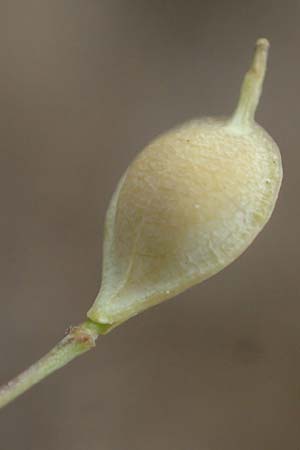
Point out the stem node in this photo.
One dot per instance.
(78, 340)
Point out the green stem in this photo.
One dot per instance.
(79, 340)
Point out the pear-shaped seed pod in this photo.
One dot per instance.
(191, 202)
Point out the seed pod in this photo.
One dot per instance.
(190, 203)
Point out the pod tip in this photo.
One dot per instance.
(263, 43)
(251, 87)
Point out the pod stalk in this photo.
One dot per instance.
(77, 341)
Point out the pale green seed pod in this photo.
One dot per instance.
(190, 203)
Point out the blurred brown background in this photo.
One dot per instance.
(84, 85)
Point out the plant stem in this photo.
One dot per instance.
(78, 340)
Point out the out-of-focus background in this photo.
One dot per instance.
(84, 85)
